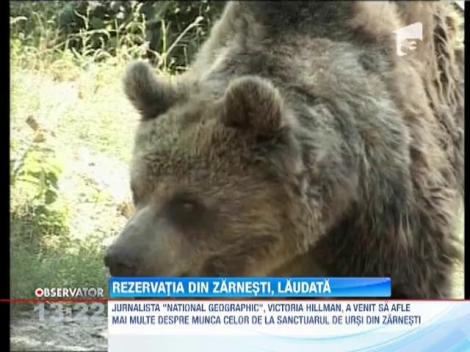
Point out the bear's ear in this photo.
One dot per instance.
(149, 94)
(253, 103)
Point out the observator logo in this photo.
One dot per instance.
(69, 292)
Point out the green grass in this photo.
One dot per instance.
(88, 113)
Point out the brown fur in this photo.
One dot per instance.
(298, 142)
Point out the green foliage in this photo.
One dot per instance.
(41, 171)
(34, 180)
(168, 33)
(43, 253)
(56, 268)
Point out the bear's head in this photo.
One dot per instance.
(213, 177)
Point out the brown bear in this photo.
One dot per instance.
(300, 143)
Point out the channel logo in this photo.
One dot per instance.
(407, 37)
(69, 292)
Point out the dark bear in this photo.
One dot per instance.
(300, 143)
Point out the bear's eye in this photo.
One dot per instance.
(186, 212)
(188, 205)
(185, 204)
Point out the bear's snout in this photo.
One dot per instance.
(120, 261)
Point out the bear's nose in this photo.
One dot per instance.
(120, 262)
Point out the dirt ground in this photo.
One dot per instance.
(29, 333)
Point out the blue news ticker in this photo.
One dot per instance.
(247, 287)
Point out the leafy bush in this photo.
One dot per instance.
(34, 180)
